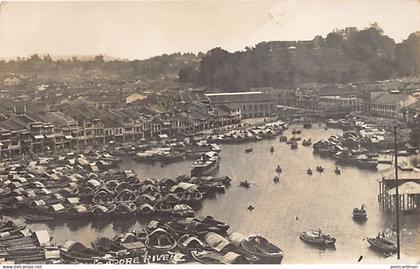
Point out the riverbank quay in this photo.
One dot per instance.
(202, 240)
(167, 150)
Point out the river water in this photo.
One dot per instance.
(297, 203)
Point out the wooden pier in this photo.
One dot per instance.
(409, 195)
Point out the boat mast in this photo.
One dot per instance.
(397, 203)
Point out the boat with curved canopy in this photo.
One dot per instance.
(260, 247)
(160, 241)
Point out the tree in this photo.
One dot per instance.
(334, 40)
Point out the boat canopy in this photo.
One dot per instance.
(216, 241)
(57, 207)
(94, 182)
(42, 237)
(236, 238)
(232, 257)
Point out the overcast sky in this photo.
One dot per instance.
(138, 30)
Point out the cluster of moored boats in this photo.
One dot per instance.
(344, 154)
(174, 150)
(184, 240)
(86, 186)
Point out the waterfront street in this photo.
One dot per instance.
(282, 210)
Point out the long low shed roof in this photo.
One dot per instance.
(406, 188)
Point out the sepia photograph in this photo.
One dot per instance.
(210, 132)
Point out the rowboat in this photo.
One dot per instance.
(317, 238)
(38, 218)
(262, 249)
(382, 245)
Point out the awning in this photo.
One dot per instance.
(50, 136)
(57, 207)
(38, 136)
(42, 237)
(68, 137)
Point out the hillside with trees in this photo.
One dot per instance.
(45, 68)
(346, 55)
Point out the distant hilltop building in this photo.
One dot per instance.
(252, 104)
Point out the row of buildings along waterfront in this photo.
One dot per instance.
(81, 121)
(395, 103)
(83, 124)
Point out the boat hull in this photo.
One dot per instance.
(205, 170)
(377, 245)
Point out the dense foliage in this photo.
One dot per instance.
(343, 56)
(346, 55)
(46, 69)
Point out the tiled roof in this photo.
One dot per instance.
(333, 90)
(57, 118)
(11, 125)
(240, 97)
(388, 98)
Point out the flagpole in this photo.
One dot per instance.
(397, 202)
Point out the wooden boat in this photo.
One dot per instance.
(162, 208)
(295, 138)
(214, 225)
(278, 169)
(145, 209)
(172, 198)
(248, 150)
(276, 179)
(320, 169)
(153, 225)
(245, 184)
(187, 226)
(317, 238)
(187, 243)
(207, 257)
(206, 164)
(191, 197)
(182, 210)
(5, 192)
(337, 171)
(77, 252)
(382, 245)
(307, 142)
(309, 171)
(293, 145)
(272, 149)
(38, 218)
(265, 251)
(296, 131)
(105, 245)
(160, 241)
(283, 138)
(11, 227)
(360, 213)
(211, 257)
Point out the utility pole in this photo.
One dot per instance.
(397, 203)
